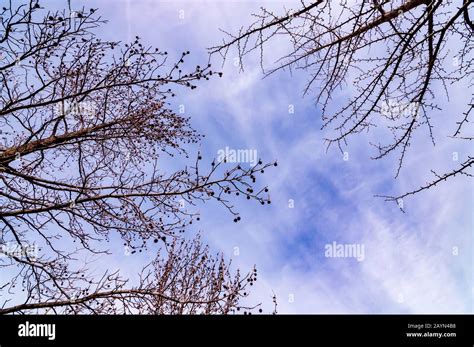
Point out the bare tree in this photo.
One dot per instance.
(395, 53)
(187, 280)
(84, 123)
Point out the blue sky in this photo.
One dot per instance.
(410, 265)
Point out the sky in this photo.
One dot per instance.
(420, 261)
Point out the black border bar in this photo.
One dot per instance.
(393, 330)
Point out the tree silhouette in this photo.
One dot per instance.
(83, 124)
(393, 52)
(188, 280)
